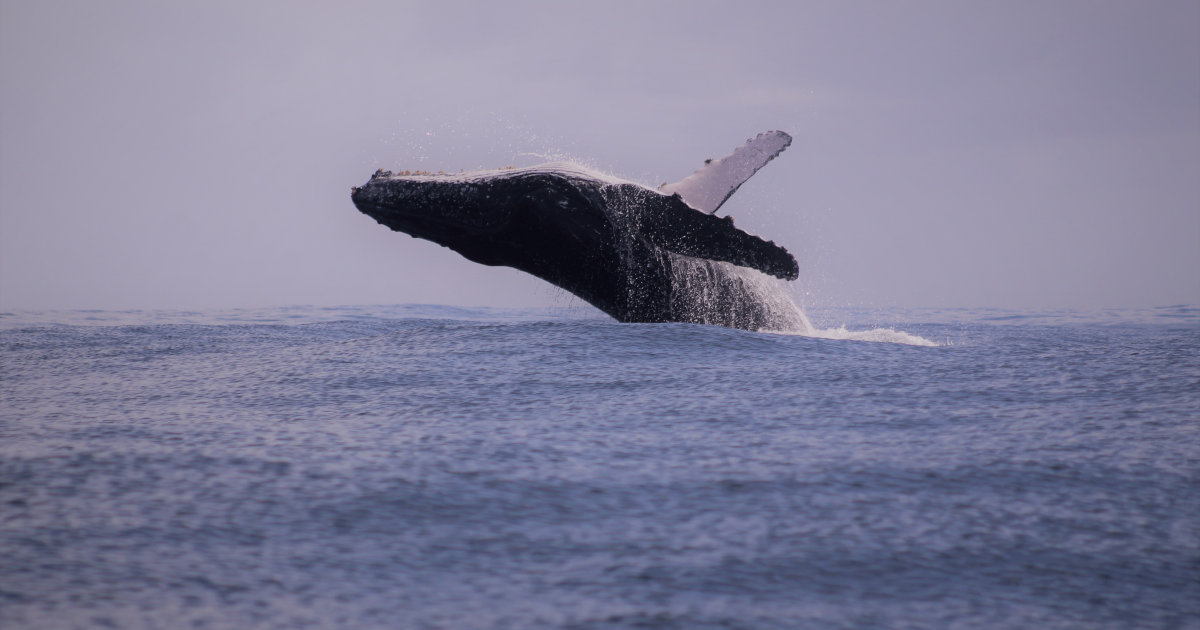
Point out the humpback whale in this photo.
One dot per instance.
(636, 253)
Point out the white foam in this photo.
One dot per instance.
(880, 335)
(799, 324)
(785, 316)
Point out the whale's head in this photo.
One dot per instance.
(435, 206)
(487, 216)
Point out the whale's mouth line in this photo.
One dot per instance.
(383, 214)
(444, 173)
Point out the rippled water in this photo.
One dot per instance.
(435, 467)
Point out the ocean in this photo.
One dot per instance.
(460, 468)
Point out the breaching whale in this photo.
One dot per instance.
(638, 254)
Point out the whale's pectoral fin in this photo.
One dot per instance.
(680, 229)
(717, 180)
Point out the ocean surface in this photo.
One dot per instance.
(440, 467)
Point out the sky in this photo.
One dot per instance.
(192, 155)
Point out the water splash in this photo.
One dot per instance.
(714, 292)
(715, 289)
(782, 314)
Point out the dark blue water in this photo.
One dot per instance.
(431, 467)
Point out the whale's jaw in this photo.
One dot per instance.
(513, 218)
(438, 209)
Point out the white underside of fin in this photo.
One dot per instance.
(717, 180)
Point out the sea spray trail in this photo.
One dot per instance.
(694, 287)
(426, 466)
(879, 335)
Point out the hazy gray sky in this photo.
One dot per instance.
(192, 155)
